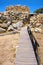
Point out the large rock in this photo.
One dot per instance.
(19, 24)
(5, 21)
(15, 26)
(3, 17)
(4, 25)
(14, 21)
(38, 24)
(2, 30)
(8, 23)
(10, 28)
(37, 30)
(1, 21)
(33, 18)
(23, 16)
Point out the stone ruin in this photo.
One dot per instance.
(16, 17)
(36, 22)
(13, 18)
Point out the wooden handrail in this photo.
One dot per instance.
(34, 43)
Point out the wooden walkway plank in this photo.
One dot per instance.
(25, 53)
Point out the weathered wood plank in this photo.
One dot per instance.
(25, 54)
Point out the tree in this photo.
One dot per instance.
(40, 10)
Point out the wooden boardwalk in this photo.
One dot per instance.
(25, 54)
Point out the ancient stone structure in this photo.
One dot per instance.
(9, 20)
(16, 16)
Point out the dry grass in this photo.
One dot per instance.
(8, 44)
(39, 38)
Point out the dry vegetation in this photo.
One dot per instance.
(8, 46)
(39, 38)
